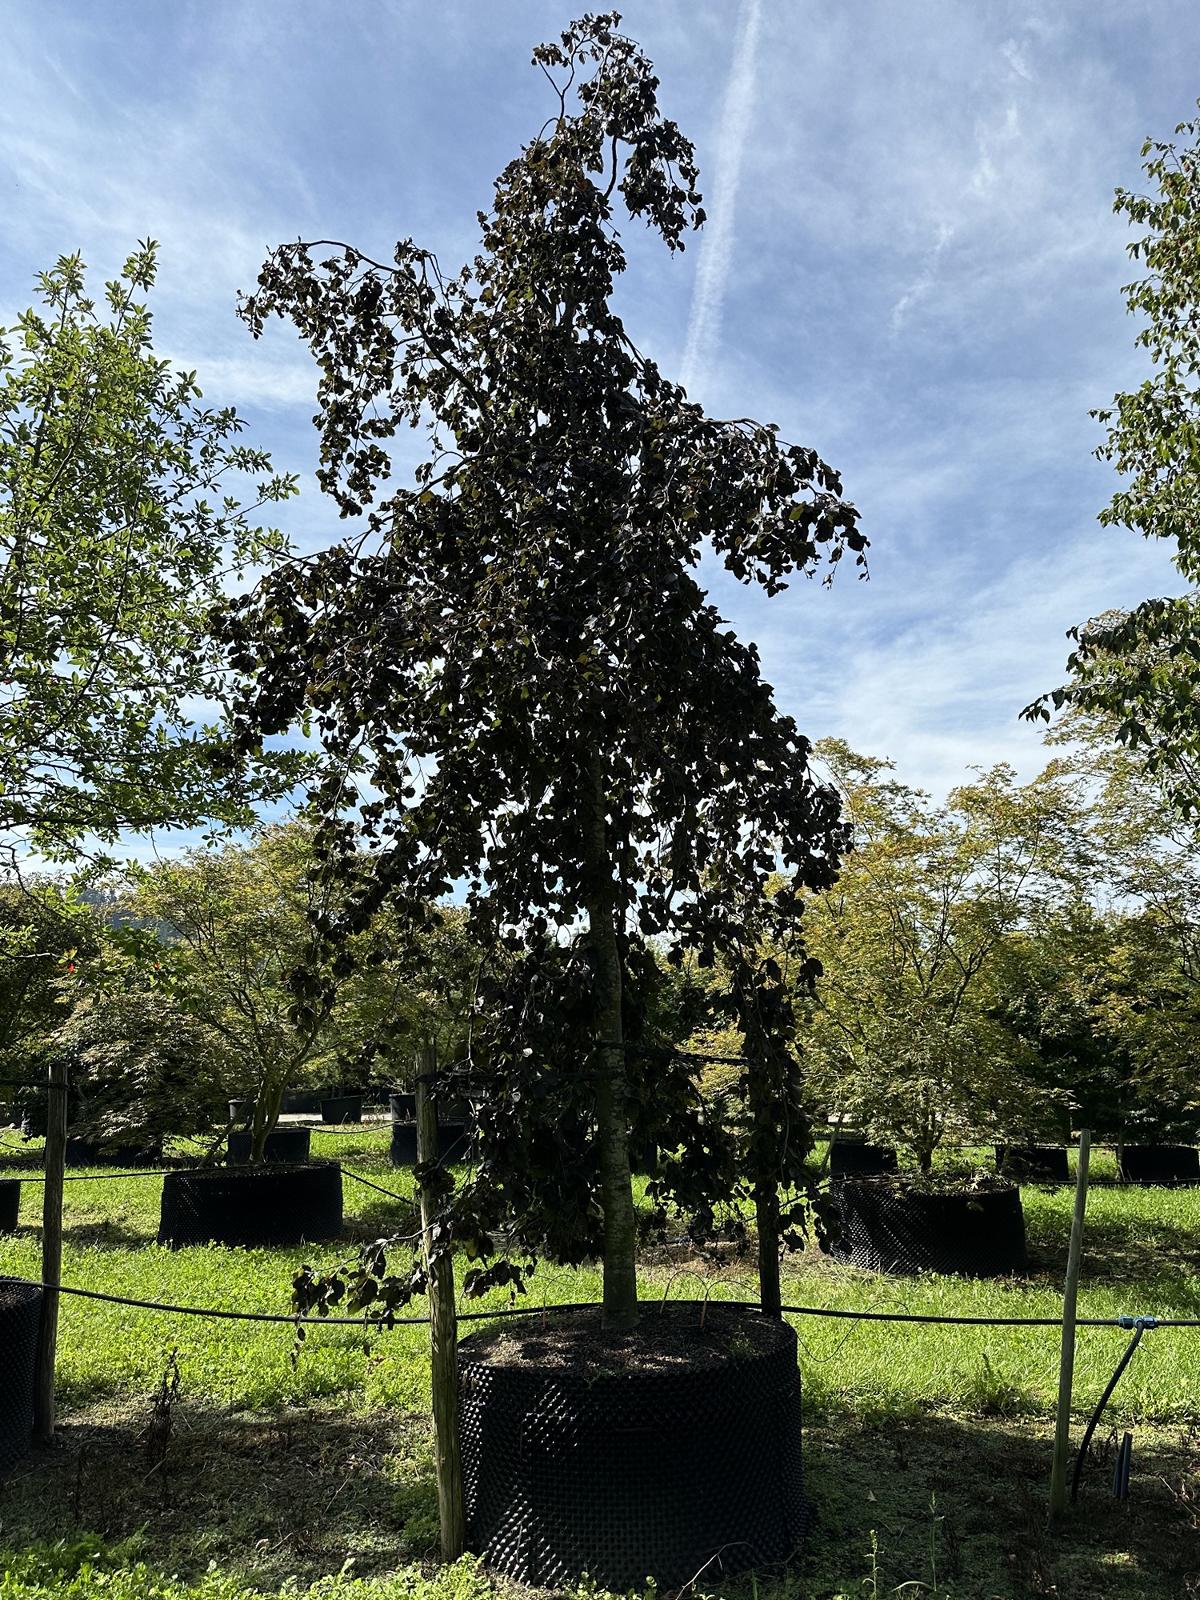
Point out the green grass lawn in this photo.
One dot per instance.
(927, 1447)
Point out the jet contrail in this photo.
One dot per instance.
(716, 252)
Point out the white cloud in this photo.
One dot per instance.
(717, 250)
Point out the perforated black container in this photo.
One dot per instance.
(20, 1316)
(81, 1152)
(887, 1227)
(852, 1159)
(270, 1205)
(452, 1142)
(10, 1203)
(283, 1144)
(675, 1469)
(1033, 1163)
(342, 1108)
(1165, 1164)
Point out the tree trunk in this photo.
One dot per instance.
(266, 1114)
(765, 1116)
(443, 1325)
(612, 1130)
(52, 1242)
(766, 1221)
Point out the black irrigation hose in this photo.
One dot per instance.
(1140, 1325)
(346, 1127)
(378, 1187)
(292, 1319)
(110, 1177)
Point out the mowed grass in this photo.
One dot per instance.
(1142, 1256)
(927, 1446)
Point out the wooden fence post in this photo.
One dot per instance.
(443, 1328)
(52, 1204)
(1066, 1365)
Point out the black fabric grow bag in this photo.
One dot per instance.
(342, 1108)
(629, 1469)
(854, 1159)
(301, 1105)
(1033, 1163)
(887, 1227)
(452, 1142)
(283, 1144)
(10, 1204)
(252, 1205)
(1160, 1164)
(20, 1316)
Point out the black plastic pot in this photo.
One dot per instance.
(34, 1108)
(20, 1316)
(283, 1144)
(241, 1112)
(342, 1108)
(852, 1158)
(888, 1227)
(632, 1465)
(452, 1140)
(271, 1205)
(1164, 1164)
(10, 1204)
(403, 1106)
(1033, 1163)
(33, 1122)
(301, 1105)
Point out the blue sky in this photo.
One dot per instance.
(912, 265)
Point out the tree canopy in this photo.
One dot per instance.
(512, 666)
(120, 521)
(904, 1034)
(1140, 669)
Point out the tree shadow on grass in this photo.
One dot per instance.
(1121, 1249)
(960, 1506)
(955, 1505)
(298, 1491)
(105, 1233)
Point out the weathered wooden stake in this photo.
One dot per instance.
(1066, 1365)
(52, 1203)
(443, 1329)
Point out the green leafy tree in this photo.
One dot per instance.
(120, 524)
(236, 922)
(518, 681)
(1146, 971)
(143, 1067)
(1140, 669)
(415, 988)
(903, 1037)
(48, 931)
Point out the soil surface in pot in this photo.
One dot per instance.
(665, 1339)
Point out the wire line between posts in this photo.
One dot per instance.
(385, 1320)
